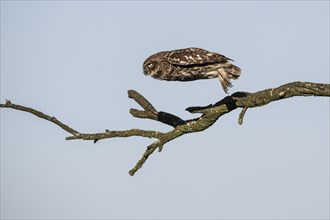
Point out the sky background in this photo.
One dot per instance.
(76, 60)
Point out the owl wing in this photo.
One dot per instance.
(194, 56)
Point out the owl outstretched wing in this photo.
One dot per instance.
(194, 56)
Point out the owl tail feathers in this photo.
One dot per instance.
(228, 73)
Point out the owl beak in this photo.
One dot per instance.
(145, 71)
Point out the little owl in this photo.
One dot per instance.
(191, 64)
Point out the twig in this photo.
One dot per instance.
(149, 111)
(241, 115)
(39, 114)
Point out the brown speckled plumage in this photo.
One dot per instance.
(191, 64)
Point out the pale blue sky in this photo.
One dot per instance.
(76, 60)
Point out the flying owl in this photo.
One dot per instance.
(191, 64)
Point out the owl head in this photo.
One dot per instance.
(150, 66)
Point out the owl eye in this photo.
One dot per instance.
(150, 65)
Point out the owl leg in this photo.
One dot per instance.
(224, 79)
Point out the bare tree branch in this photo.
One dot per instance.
(210, 114)
(65, 127)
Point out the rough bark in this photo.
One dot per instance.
(210, 114)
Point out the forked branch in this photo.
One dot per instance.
(210, 114)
